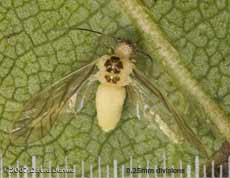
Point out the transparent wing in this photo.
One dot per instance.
(85, 94)
(42, 110)
(148, 102)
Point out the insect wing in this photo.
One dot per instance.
(148, 102)
(42, 110)
(85, 95)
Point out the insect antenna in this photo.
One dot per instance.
(112, 37)
(85, 29)
(148, 56)
(101, 34)
(93, 31)
(145, 54)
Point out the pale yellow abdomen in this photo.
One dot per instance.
(109, 105)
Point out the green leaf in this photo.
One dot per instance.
(189, 41)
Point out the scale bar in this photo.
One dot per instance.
(117, 172)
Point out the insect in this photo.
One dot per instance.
(119, 80)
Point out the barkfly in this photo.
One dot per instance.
(119, 81)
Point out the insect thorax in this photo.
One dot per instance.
(114, 70)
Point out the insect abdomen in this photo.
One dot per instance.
(109, 104)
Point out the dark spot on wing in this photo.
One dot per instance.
(115, 79)
(108, 78)
(116, 70)
(119, 65)
(108, 62)
(108, 65)
(109, 69)
(113, 65)
(115, 59)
